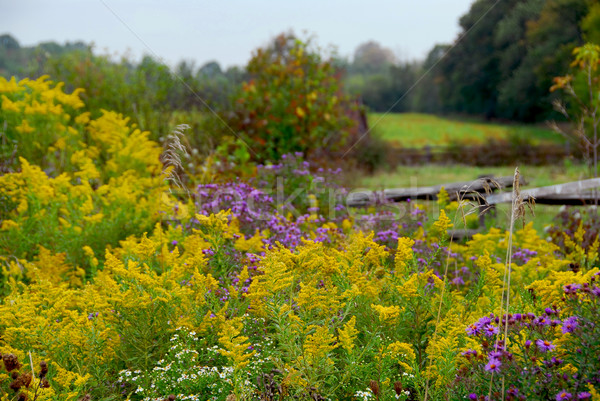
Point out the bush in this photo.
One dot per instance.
(293, 102)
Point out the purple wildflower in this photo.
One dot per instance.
(563, 395)
(545, 345)
(490, 330)
(493, 365)
(570, 324)
(571, 288)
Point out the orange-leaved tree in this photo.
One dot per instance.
(292, 102)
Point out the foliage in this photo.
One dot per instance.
(127, 292)
(583, 90)
(292, 102)
(83, 183)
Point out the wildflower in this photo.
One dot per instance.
(571, 288)
(348, 335)
(545, 345)
(570, 324)
(473, 396)
(442, 224)
(584, 396)
(493, 365)
(563, 395)
(490, 330)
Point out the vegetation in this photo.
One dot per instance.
(292, 102)
(501, 65)
(119, 285)
(218, 263)
(418, 130)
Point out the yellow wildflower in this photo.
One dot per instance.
(348, 334)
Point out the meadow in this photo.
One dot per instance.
(126, 276)
(419, 130)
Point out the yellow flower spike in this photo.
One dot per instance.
(9, 86)
(404, 253)
(347, 335)
(9, 225)
(387, 314)
(403, 353)
(318, 345)
(25, 128)
(441, 226)
(235, 346)
(9, 105)
(443, 198)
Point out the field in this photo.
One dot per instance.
(536, 176)
(139, 270)
(434, 130)
(418, 130)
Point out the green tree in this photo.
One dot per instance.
(582, 104)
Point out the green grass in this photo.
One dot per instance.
(418, 130)
(410, 176)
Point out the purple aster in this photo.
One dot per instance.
(571, 288)
(542, 321)
(563, 395)
(545, 345)
(469, 352)
(513, 391)
(493, 365)
(570, 324)
(473, 330)
(495, 355)
(584, 396)
(458, 280)
(490, 330)
(473, 396)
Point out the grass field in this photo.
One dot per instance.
(418, 130)
(407, 176)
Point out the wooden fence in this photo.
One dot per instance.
(482, 190)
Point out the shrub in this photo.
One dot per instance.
(293, 102)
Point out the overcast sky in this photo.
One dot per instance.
(228, 30)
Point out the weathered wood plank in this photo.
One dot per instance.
(569, 192)
(568, 199)
(466, 189)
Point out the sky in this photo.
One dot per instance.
(229, 30)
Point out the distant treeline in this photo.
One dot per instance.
(155, 96)
(500, 66)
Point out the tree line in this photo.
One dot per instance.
(500, 66)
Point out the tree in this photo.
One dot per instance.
(292, 102)
(371, 57)
(503, 62)
(582, 105)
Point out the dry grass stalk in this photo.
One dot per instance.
(175, 148)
